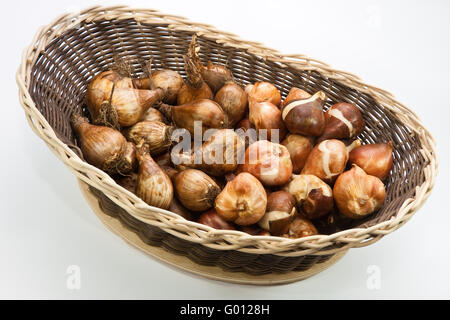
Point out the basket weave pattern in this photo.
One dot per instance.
(66, 54)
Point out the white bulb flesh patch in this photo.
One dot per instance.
(294, 104)
(338, 115)
(271, 216)
(326, 160)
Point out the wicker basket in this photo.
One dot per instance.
(65, 55)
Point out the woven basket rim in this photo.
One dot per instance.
(192, 231)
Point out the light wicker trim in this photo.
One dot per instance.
(191, 231)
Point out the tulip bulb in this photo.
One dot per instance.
(127, 103)
(358, 194)
(375, 159)
(188, 94)
(342, 121)
(300, 228)
(216, 76)
(264, 92)
(194, 87)
(213, 74)
(233, 100)
(279, 213)
(299, 148)
(327, 160)
(196, 190)
(314, 198)
(242, 201)
(208, 112)
(269, 162)
(295, 94)
(157, 135)
(170, 81)
(153, 185)
(212, 219)
(103, 147)
(220, 155)
(244, 125)
(306, 116)
(153, 114)
(101, 86)
(266, 116)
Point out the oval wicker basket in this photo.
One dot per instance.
(66, 54)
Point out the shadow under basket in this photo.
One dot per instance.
(67, 54)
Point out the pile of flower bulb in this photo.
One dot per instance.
(233, 157)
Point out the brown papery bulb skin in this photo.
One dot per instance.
(219, 155)
(101, 146)
(264, 92)
(196, 190)
(306, 116)
(342, 121)
(208, 112)
(300, 228)
(375, 159)
(314, 198)
(153, 185)
(216, 76)
(295, 94)
(131, 104)
(130, 158)
(153, 114)
(269, 162)
(233, 100)
(128, 103)
(214, 220)
(299, 148)
(280, 201)
(245, 125)
(157, 135)
(266, 118)
(170, 81)
(279, 213)
(242, 201)
(358, 194)
(188, 94)
(100, 88)
(194, 87)
(327, 160)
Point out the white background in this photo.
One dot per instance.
(45, 224)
